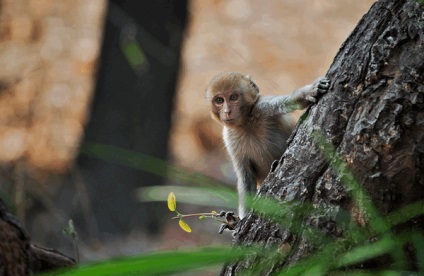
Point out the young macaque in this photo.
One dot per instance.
(256, 128)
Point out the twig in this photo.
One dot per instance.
(196, 215)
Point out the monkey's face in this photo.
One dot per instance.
(232, 96)
(228, 107)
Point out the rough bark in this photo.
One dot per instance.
(17, 256)
(14, 245)
(373, 116)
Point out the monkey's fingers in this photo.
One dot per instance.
(323, 85)
(310, 98)
(325, 80)
(229, 215)
(232, 220)
(222, 228)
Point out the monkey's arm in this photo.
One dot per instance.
(299, 99)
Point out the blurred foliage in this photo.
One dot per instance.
(334, 257)
(358, 245)
(148, 164)
(218, 196)
(134, 54)
(158, 263)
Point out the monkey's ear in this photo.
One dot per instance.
(252, 82)
(253, 85)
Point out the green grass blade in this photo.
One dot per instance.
(158, 263)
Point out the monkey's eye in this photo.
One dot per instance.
(233, 97)
(219, 100)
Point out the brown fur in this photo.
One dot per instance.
(256, 127)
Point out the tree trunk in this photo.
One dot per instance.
(373, 117)
(18, 256)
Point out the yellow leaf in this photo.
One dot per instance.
(172, 202)
(214, 212)
(184, 226)
(201, 217)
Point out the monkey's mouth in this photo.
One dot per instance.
(230, 121)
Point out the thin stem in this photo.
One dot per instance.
(195, 215)
(75, 244)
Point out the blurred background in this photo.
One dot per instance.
(132, 74)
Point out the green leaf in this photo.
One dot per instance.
(184, 226)
(133, 52)
(172, 202)
(160, 263)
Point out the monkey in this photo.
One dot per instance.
(255, 127)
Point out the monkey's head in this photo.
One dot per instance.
(232, 96)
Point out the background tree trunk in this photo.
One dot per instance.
(52, 99)
(18, 256)
(373, 116)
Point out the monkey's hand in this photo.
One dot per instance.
(231, 221)
(320, 86)
(303, 97)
